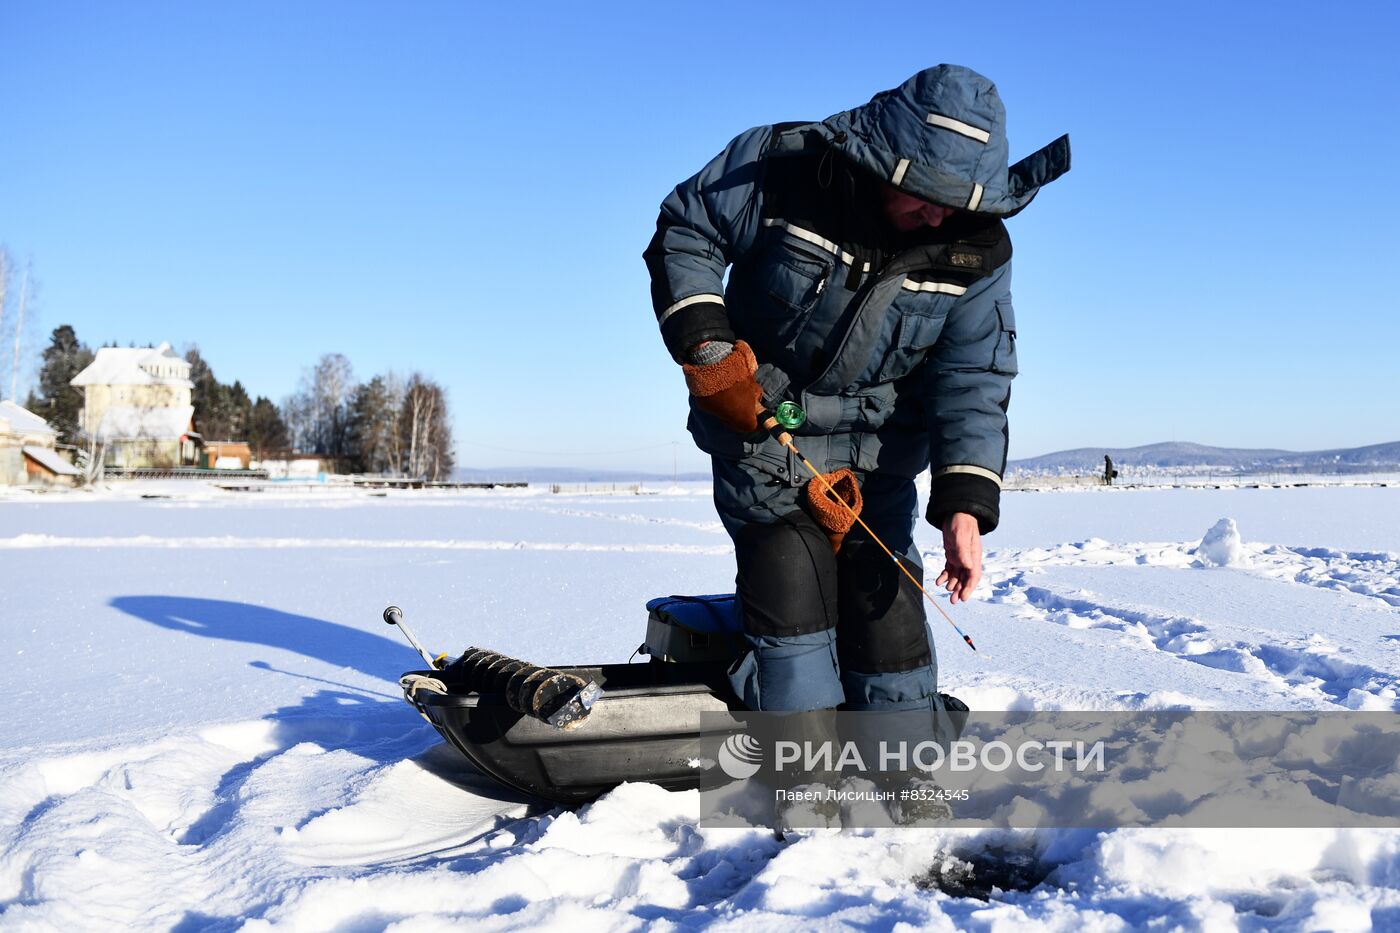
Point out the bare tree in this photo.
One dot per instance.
(90, 459)
(15, 312)
(426, 429)
(4, 282)
(5, 266)
(317, 414)
(386, 425)
(418, 410)
(297, 416)
(19, 330)
(334, 381)
(395, 389)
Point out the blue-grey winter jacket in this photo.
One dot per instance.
(900, 347)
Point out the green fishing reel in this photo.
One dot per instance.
(790, 415)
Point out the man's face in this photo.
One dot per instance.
(907, 213)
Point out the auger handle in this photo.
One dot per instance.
(393, 615)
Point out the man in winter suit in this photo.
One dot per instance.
(870, 282)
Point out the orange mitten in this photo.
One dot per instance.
(834, 518)
(727, 389)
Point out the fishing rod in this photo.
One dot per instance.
(789, 416)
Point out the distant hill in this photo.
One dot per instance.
(544, 474)
(1177, 456)
(1173, 457)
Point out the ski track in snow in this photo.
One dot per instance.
(1307, 667)
(1300, 668)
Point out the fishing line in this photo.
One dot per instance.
(789, 415)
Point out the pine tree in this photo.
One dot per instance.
(238, 410)
(221, 412)
(207, 398)
(266, 430)
(58, 402)
(373, 427)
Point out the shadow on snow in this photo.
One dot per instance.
(332, 642)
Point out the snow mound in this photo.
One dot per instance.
(1221, 546)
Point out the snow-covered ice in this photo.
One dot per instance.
(205, 732)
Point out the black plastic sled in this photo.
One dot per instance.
(643, 725)
(571, 734)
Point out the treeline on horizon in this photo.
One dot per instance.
(390, 425)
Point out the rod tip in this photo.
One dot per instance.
(392, 615)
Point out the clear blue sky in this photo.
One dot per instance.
(465, 189)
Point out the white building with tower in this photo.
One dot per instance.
(137, 407)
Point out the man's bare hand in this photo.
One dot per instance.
(962, 548)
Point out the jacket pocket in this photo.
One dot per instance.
(915, 334)
(1004, 359)
(780, 286)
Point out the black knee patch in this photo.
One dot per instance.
(787, 577)
(881, 627)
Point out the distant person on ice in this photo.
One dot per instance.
(870, 282)
(1109, 473)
